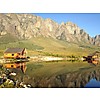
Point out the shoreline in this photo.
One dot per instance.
(38, 59)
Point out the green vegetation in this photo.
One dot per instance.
(8, 38)
(49, 47)
(21, 44)
(7, 84)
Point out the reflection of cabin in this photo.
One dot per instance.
(93, 62)
(93, 56)
(15, 53)
(22, 66)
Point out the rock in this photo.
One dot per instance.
(1, 80)
(29, 86)
(23, 85)
(12, 74)
(3, 75)
(97, 40)
(8, 83)
(26, 26)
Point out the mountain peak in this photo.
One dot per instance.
(26, 26)
(70, 23)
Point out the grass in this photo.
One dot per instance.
(62, 48)
(49, 47)
(1, 52)
(8, 38)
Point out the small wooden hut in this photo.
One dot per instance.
(15, 53)
(93, 56)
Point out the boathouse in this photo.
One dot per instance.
(15, 53)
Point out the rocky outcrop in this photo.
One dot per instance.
(97, 40)
(72, 33)
(26, 26)
(8, 79)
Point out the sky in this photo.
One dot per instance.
(90, 22)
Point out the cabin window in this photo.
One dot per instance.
(19, 54)
(12, 54)
(11, 65)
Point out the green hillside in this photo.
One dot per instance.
(48, 46)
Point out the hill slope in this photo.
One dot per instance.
(51, 47)
(45, 36)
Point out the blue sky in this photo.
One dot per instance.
(90, 22)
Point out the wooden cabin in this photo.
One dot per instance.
(94, 56)
(15, 53)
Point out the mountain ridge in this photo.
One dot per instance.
(26, 26)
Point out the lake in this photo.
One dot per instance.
(61, 74)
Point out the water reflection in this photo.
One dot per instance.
(93, 83)
(21, 66)
(70, 79)
(58, 74)
(93, 62)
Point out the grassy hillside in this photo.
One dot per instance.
(62, 48)
(49, 46)
(8, 38)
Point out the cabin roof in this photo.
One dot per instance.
(14, 50)
(94, 53)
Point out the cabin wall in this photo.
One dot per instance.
(24, 52)
(96, 56)
(21, 54)
(11, 55)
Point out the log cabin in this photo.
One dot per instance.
(15, 53)
(93, 56)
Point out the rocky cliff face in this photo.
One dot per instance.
(26, 26)
(97, 40)
(72, 33)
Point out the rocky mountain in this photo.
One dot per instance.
(26, 26)
(97, 40)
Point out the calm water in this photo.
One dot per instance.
(57, 74)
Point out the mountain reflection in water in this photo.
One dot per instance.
(93, 83)
(57, 74)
